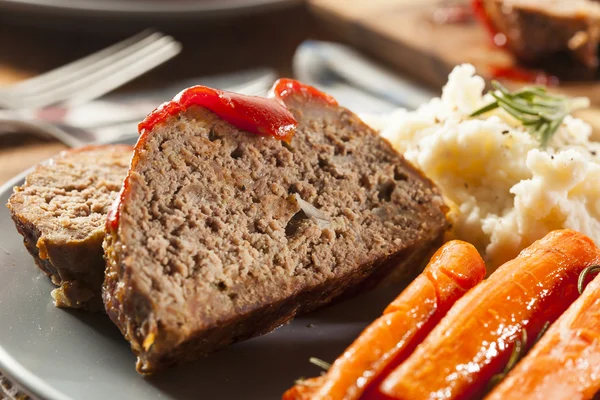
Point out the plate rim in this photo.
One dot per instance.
(146, 7)
(10, 367)
(26, 380)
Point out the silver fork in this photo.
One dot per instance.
(106, 134)
(92, 76)
(254, 82)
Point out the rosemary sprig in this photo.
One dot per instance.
(519, 351)
(584, 274)
(320, 363)
(306, 382)
(540, 112)
(544, 329)
(520, 347)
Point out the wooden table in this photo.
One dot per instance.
(404, 34)
(259, 40)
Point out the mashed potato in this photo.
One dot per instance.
(503, 190)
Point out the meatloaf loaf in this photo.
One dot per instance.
(221, 234)
(61, 211)
(559, 35)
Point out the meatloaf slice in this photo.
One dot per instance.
(61, 212)
(221, 234)
(559, 35)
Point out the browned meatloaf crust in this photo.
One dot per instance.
(61, 211)
(212, 245)
(559, 35)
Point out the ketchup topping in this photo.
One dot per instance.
(481, 13)
(250, 113)
(262, 116)
(286, 87)
(112, 218)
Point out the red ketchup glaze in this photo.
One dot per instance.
(524, 75)
(254, 114)
(483, 16)
(285, 87)
(262, 116)
(112, 218)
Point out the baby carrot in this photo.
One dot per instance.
(565, 363)
(454, 269)
(475, 339)
(303, 390)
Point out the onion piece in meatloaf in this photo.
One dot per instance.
(61, 212)
(221, 234)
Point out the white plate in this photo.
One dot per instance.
(145, 9)
(61, 354)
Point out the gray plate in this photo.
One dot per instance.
(60, 354)
(147, 9)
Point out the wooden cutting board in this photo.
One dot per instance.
(404, 34)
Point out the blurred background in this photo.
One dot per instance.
(217, 37)
(395, 53)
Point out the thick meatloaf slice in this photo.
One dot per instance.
(61, 212)
(223, 234)
(559, 35)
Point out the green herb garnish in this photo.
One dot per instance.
(519, 351)
(309, 382)
(320, 363)
(589, 270)
(540, 112)
(544, 329)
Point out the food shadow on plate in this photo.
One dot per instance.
(268, 365)
(257, 369)
(263, 367)
(100, 323)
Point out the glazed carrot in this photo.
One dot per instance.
(475, 339)
(565, 363)
(454, 269)
(304, 390)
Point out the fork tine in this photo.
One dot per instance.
(59, 81)
(111, 65)
(69, 68)
(128, 73)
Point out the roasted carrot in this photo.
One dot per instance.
(303, 390)
(475, 339)
(454, 269)
(565, 363)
